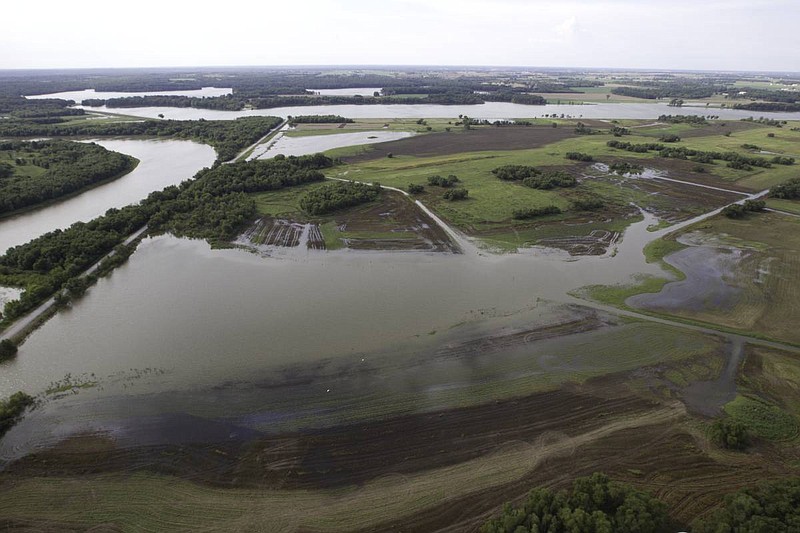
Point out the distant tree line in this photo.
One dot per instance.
(683, 119)
(221, 103)
(751, 93)
(735, 160)
(228, 137)
(335, 196)
(68, 168)
(676, 89)
(320, 119)
(769, 106)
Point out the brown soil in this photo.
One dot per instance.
(476, 140)
(599, 426)
(395, 214)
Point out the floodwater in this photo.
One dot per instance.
(182, 327)
(319, 143)
(489, 110)
(210, 315)
(79, 96)
(161, 163)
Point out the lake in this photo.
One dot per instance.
(79, 96)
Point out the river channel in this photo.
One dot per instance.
(489, 111)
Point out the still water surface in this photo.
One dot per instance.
(79, 96)
(489, 110)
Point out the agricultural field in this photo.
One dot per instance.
(391, 223)
(673, 189)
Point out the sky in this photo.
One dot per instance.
(759, 35)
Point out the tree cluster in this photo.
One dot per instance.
(768, 507)
(67, 167)
(228, 137)
(535, 212)
(788, 190)
(594, 504)
(696, 120)
(578, 156)
(439, 181)
(320, 119)
(741, 210)
(12, 408)
(339, 195)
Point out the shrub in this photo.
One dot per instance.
(456, 194)
(415, 188)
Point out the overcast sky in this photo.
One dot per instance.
(665, 34)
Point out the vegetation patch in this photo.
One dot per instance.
(762, 418)
(335, 196)
(12, 409)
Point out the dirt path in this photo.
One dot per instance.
(461, 241)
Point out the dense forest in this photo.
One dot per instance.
(228, 137)
(213, 205)
(593, 504)
(38, 171)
